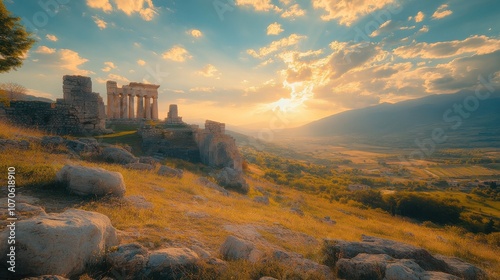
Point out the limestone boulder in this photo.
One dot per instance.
(128, 260)
(148, 160)
(462, 269)
(83, 145)
(204, 181)
(233, 179)
(61, 243)
(118, 155)
(91, 180)
(235, 248)
(298, 263)
(170, 263)
(170, 172)
(139, 166)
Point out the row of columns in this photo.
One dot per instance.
(121, 106)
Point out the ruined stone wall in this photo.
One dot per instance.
(216, 148)
(170, 142)
(89, 106)
(80, 112)
(53, 118)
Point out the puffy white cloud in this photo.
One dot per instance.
(70, 60)
(177, 53)
(45, 50)
(259, 5)
(208, 71)
(291, 40)
(51, 37)
(474, 45)
(195, 33)
(347, 12)
(100, 4)
(144, 8)
(419, 17)
(100, 22)
(141, 62)
(293, 11)
(442, 12)
(274, 29)
(108, 66)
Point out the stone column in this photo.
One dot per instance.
(155, 108)
(131, 106)
(124, 106)
(148, 108)
(116, 106)
(140, 107)
(109, 107)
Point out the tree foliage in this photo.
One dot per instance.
(15, 41)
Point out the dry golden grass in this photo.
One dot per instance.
(168, 222)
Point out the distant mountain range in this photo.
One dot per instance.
(26, 97)
(465, 118)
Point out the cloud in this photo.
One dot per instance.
(100, 23)
(208, 71)
(109, 66)
(473, 45)
(202, 89)
(259, 5)
(141, 62)
(45, 50)
(347, 12)
(177, 53)
(51, 37)
(442, 12)
(291, 40)
(419, 17)
(70, 60)
(100, 4)
(195, 33)
(274, 29)
(293, 11)
(113, 77)
(144, 8)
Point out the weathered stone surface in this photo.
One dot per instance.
(262, 200)
(376, 258)
(61, 244)
(52, 141)
(170, 172)
(300, 264)
(118, 155)
(14, 144)
(231, 178)
(91, 180)
(139, 166)
(235, 248)
(148, 160)
(218, 149)
(139, 201)
(209, 184)
(47, 277)
(128, 260)
(170, 263)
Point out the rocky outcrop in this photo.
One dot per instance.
(204, 181)
(170, 172)
(61, 244)
(118, 155)
(218, 149)
(377, 258)
(232, 179)
(128, 260)
(91, 180)
(169, 263)
(235, 248)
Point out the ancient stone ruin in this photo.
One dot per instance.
(121, 101)
(81, 111)
(217, 148)
(210, 146)
(173, 115)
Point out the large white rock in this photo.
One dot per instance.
(60, 244)
(170, 263)
(235, 248)
(118, 155)
(91, 180)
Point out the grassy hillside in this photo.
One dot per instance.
(179, 216)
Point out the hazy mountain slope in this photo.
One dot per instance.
(414, 118)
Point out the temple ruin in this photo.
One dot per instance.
(121, 101)
(173, 115)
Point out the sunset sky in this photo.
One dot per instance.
(244, 62)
